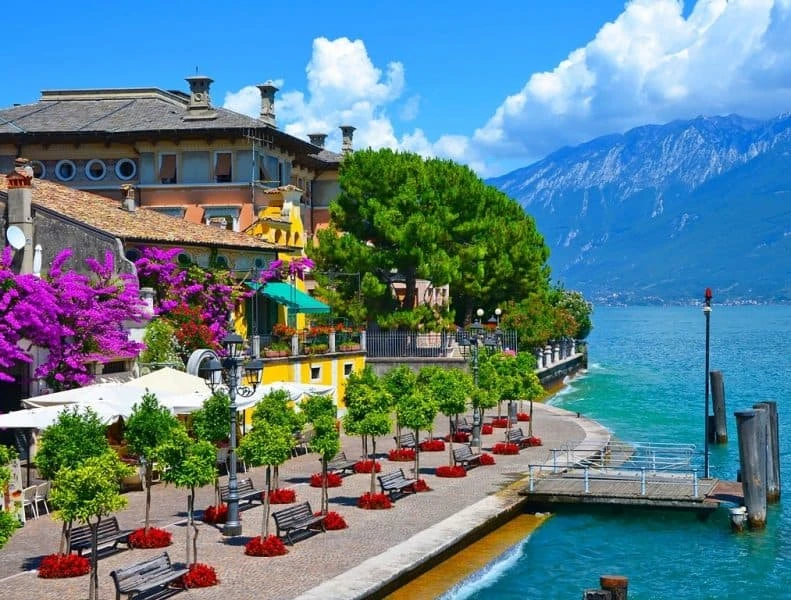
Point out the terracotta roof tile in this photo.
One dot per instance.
(142, 225)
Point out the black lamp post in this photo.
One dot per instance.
(707, 313)
(475, 338)
(228, 373)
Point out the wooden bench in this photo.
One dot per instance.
(108, 531)
(462, 425)
(463, 456)
(406, 440)
(246, 491)
(340, 464)
(145, 576)
(395, 482)
(515, 436)
(297, 518)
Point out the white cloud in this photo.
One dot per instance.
(650, 65)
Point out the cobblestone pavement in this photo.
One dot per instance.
(310, 561)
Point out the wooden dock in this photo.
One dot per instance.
(654, 491)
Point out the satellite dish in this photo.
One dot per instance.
(15, 237)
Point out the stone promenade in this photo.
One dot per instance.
(338, 564)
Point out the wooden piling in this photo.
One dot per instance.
(772, 452)
(751, 431)
(719, 431)
(617, 585)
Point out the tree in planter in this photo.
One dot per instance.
(87, 493)
(210, 423)
(400, 383)
(368, 406)
(275, 409)
(75, 437)
(150, 425)
(8, 518)
(417, 411)
(482, 399)
(450, 388)
(161, 345)
(321, 412)
(189, 464)
(267, 444)
(530, 387)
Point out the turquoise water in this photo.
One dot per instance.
(646, 382)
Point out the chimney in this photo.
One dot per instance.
(347, 131)
(20, 200)
(268, 91)
(128, 197)
(199, 106)
(318, 139)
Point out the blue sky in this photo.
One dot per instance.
(495, 85)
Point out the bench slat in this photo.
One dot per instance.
(296, 518)
(396, 482)
(144, 576)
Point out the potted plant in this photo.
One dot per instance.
(277, 349)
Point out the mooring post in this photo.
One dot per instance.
(772, 452)
(617, 585)
(738, 517)
(719, 432)
(751, 431)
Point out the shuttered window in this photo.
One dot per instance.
(222, 167)
(167, 168)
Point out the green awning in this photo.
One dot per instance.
(289, 296)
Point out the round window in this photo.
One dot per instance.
(133, 254)
(184, 259)
(125, 169)
(39, 170)
(95, 170)
(65, 170)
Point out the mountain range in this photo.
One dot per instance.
(661, 212)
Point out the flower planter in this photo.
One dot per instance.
(333, 521)
(156, 538)
(365, 466)
(281, 496)
(533, 441)
(333, 480)
(460, 437)
(370, 501)
(275, 353)
(401, 454)
(487, 459)
(57, 566)
(216, 514)
(522, 416)
(487, 429)
(349, 348)
(432, 446)
(503, 448)
(200, 575)
(499, 423)
(421, 486)
(446, 471)
(270, 546)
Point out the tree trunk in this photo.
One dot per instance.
(265, 522)
(187, 528)
(450, 443)
(149, 476)
(194, 527)
(417, 455)
(530, 423)
(373, 467)
(365, 446)
(276, 477)
(325, 496)
(65, 533)
(93, 583)
(217, 499)
(410, 293)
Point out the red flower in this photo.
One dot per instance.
(460, 437)
(365, 466)
(501, 423)
(432, 446)
(487, 459)
(521, 416)
(216, 514)
(333, 521)
(333, 480)
(446, 471)
(401, 454)
(200, 575)
(503, 448)
(486, 429)
(156, 538)
(421, 486)
(56, 566)
(271, 546)
(370, 501)
(282, 496)
(534, 441)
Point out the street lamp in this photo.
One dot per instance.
(228, 373)
(707, 313)
(475, 338)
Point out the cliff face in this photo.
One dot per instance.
(663, 211)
